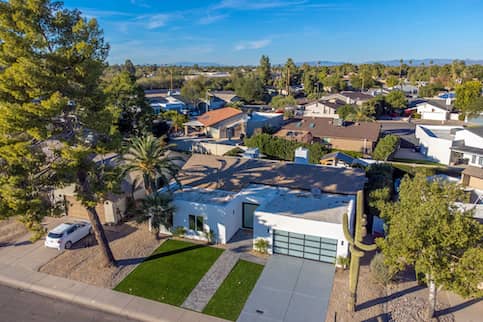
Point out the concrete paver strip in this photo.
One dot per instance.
(206, 288)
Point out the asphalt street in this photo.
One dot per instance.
(20, 306)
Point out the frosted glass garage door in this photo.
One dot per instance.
(305, 246)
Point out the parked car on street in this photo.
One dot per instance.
(65, 235)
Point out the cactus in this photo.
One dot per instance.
(357, 248)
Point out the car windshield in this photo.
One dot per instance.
(54, 235)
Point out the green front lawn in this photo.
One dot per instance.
(229, 299)
(171, 272)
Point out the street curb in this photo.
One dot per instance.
(105, 300)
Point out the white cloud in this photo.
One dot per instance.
(256, 4)
(155, 21)
(211, 19)
(255, 44)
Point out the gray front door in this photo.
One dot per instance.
(305, 246)
(248, 214)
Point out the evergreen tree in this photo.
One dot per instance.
(52, 60)
(265, 70)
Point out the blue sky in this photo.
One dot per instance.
(240, 31)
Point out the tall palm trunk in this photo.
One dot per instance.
(99, 233)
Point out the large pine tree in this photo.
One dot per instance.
(51, 60)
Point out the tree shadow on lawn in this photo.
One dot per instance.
(135, 261)
(384, 299)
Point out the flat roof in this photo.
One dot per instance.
(319, 207)
(204, 196)
(234, 174)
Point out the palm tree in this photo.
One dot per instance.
(158, 210)
(149, 156)
(363, 113)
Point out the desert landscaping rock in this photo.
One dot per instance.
(130, 244)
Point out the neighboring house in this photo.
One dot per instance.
(325, 107)
(435, 109)
(168, 103)
(350, 97)
(451, 145)
(223, 123)
(287, 204)
(472, 177)
(113, 208)
(339, 134)
(340, 159)
(467, 146)
(218, 99)
(257, 121)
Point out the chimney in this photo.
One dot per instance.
(448, 100)
(301, 155)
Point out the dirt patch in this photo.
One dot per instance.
(11, 230)
(368, 293)
(130, 244)
(402, 301)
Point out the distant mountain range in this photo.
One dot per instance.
(393, 62)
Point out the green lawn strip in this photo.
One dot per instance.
(171, 272)
(229, 299)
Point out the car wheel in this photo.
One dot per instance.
(68, 245)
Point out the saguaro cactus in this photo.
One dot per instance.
(357, 248)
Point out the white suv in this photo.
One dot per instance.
(65, 235)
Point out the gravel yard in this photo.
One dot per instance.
(130, 243)
(405, 301)
(11, 230)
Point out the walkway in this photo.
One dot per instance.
(206, 288)
(242, 243)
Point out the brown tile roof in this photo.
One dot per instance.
(216, 116)
(233, 174)
(326, 128)
(474, 172)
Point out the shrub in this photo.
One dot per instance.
(235, 152)
(179, 231)
(380, 271)
(261, 245)
(211, 236)
(343, 261)
(386, 147)
(280, 149)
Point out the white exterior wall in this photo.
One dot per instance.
(430, 112)
(435, 148)
(317, 109)
(224, 220)
(470, 138)
(265, 223)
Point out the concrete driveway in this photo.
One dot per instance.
(290, 289)
(24, 253)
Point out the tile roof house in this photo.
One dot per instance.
(227, 122)
(270, 198)
(351, 97)
(342, 135)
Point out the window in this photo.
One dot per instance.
(473, 159)
(196, 223)
(480, 161)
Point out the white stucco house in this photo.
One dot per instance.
(297, 208)
(451, 145)
(436, 109)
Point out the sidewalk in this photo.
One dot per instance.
(95, 297)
